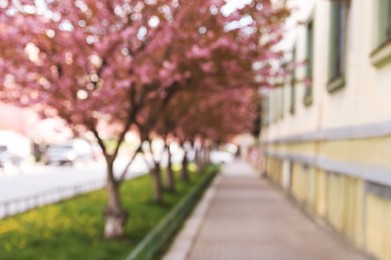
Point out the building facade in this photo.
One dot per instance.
(326, 133)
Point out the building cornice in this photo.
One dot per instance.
(338, 133)
(373, 174)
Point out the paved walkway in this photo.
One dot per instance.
(245, 218)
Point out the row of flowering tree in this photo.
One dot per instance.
(184, 70)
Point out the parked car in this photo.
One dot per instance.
(221, 157)
(8, 158)
(68, 153)
(14, 149)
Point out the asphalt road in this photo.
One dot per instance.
(34, 185)
(30, 183)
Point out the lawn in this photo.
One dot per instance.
(73, 229)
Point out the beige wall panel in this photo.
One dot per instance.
(266, 161)
(335, 205)
(275, 169)
(372, 151)
(387, 230)
(360, 214)
(305, 185)
(297, 182)
(306, 148)
(311, 188)
(271, 167)
(310, 185)
(375, 233)
(321, 191)
(353, 210)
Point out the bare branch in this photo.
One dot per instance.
(125, 170)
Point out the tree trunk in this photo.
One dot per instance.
(184, 172)
(157, 183)
(115, 215)
(198, 160)
(170, 174)
(206, 155)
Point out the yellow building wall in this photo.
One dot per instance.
(362, 218)
(378, 226)
(274, 169)
(335, 197)
(373, 151)
(311, 185)
(335, 202)
(299, 182)
(353, 202)
(321, 193)
(307, 148)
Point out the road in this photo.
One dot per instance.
(34, 185)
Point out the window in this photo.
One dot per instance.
(276, 105)
(292, 105)
(284, 67)
(384, 22)
(309, 60)
(382, 54)
(337, 55)
(265, 108)
(282, 101)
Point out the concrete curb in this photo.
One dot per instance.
(180, 248)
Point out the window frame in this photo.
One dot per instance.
(310, 42)
(381, 55)
(282, 89)
(339, 17)
(266, 109)
(292, 104)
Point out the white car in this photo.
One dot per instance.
(14, 149)
(68, 153)
(8, 158)
(221, 157)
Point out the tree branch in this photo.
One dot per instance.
(125, 171)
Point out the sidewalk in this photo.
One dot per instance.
(242, 217)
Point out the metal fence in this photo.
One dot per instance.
(22, 204)
(14, 206)
(155, 239)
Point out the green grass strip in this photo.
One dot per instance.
(159, 236)
(73, 229)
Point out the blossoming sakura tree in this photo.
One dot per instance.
(102, 63)
(215, 116)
